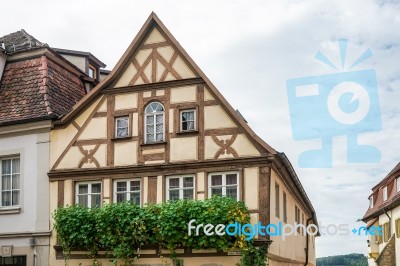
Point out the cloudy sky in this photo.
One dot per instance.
(249, 49)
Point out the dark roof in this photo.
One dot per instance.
(80, 54)
(37, 89)
(20, 41)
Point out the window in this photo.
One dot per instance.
(127, 190)
(385, 194)
(180, 187)
(154, 122)
(92, 72)
(398, 183)
(122, 127)
(10, 182)
(88, 194)
(13, 261)
(397, 225)
(277, 203)
(386, 232)
(224, 184)
(371, 201)
(284, 207)
(297, 215)
(188, 120)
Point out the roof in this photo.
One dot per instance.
(37, 89)
(393, 196)
(80, 54)
(20, 41)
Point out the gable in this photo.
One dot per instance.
(156, 60)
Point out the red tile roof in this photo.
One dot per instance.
(37, 89)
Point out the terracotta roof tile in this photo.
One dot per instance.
(37, 89)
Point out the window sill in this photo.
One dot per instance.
(121, 138)
(188, 132)
(10, 210)
(154, 143)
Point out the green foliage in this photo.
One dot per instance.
(254, 256)
(348, 260)
(124, 228)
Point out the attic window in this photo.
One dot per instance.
(92, 72)
(398, 183)
(371, 201)
(385, 193)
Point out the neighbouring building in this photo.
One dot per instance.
(384, 212)
(37, 87)
(157, 129)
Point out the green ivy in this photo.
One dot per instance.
(124, 228)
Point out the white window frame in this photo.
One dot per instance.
(154, 114)
(385, 193)
(116, 126)
(194, 119)
(181, 188)
(128, 191)
(89, 193)
(11, 190)
(224, 186)
(371, 202)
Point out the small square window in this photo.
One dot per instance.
(188, 120)
(122, 127)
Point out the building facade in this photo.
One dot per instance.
(384, 213)
(37, 87)
(156, 129)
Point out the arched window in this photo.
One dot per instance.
(154, 122)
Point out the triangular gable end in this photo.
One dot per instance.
(156, 59)
(155, 56)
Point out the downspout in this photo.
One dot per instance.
(307, 242)
(390, 222)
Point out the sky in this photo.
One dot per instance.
(249, 49)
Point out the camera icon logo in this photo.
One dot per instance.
(338, 104)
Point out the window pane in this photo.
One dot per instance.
(122, 122)
(150, 119)
(188, 194)
(6, 198)
(122, 132)
(185, 126)
(83, 189)
(188, 182)
(15, 166)
(159, 128)
(6, 182)
(150, 138)
(150, 129)
(231, 179)
(173, 194)
(83, 200)
(15, 181)
(216, 191)
(121, 197)
(160, 136)
(121, 186)
(15, 198)
(96, 188)
(190, 125)
(160, 119)
(174, 183)
(231, 192)
(216, 180)
(6, 167)
(96, 200)
(135, 198)
(135, 185)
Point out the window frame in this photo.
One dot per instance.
(128, 192)
(181, 111)
(398, 184)
(89, 183)
(116, 126)
(181, 188)
(223, 186)
(277, 200)
(154, 114)
(284, 206)
(94, 70)
(11, 184)
(385, 193)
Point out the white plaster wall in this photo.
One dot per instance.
(34, 200)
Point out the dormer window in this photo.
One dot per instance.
(385, 193)
(92, 72)
(371, 201)
(154, 123)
